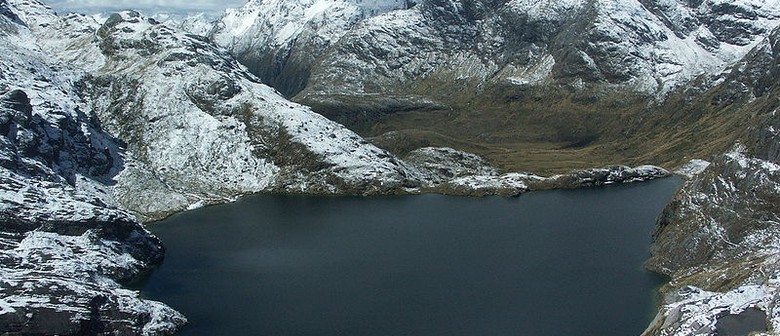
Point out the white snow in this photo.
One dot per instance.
(535, 74)
(697, 311)
(692, 168)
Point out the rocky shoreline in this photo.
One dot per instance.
(451, 172)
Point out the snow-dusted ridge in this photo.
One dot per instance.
(651, 46)
(187, 110)
(718, 240)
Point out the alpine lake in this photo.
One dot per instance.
(565, 262)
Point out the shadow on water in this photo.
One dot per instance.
(742, 324)
(547, 263)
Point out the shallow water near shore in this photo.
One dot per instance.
(546, 263)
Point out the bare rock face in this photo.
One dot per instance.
(442, 164)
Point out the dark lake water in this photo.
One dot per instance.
(546, 263)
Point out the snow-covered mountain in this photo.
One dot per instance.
(280, 40)
(645, 46)
(187, 110)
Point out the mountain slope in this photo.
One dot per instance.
(64, 243)
(718, 238)
(280, 40)
(515, 81)
(200, 129)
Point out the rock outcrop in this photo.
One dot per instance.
(450, 172)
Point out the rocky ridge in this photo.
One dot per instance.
(280, 40)
(646, 46)
(187, 110)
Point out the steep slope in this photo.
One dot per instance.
(64, 243)
(718, 239)
(200, 128)
(649, 46)
(280, 41)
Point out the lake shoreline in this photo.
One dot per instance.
(402, 199)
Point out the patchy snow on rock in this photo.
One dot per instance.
(720, 233)
(698, 311)
(64, 243)
(200, 128)
(692, 168)
(199, 24)
(264, 24)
